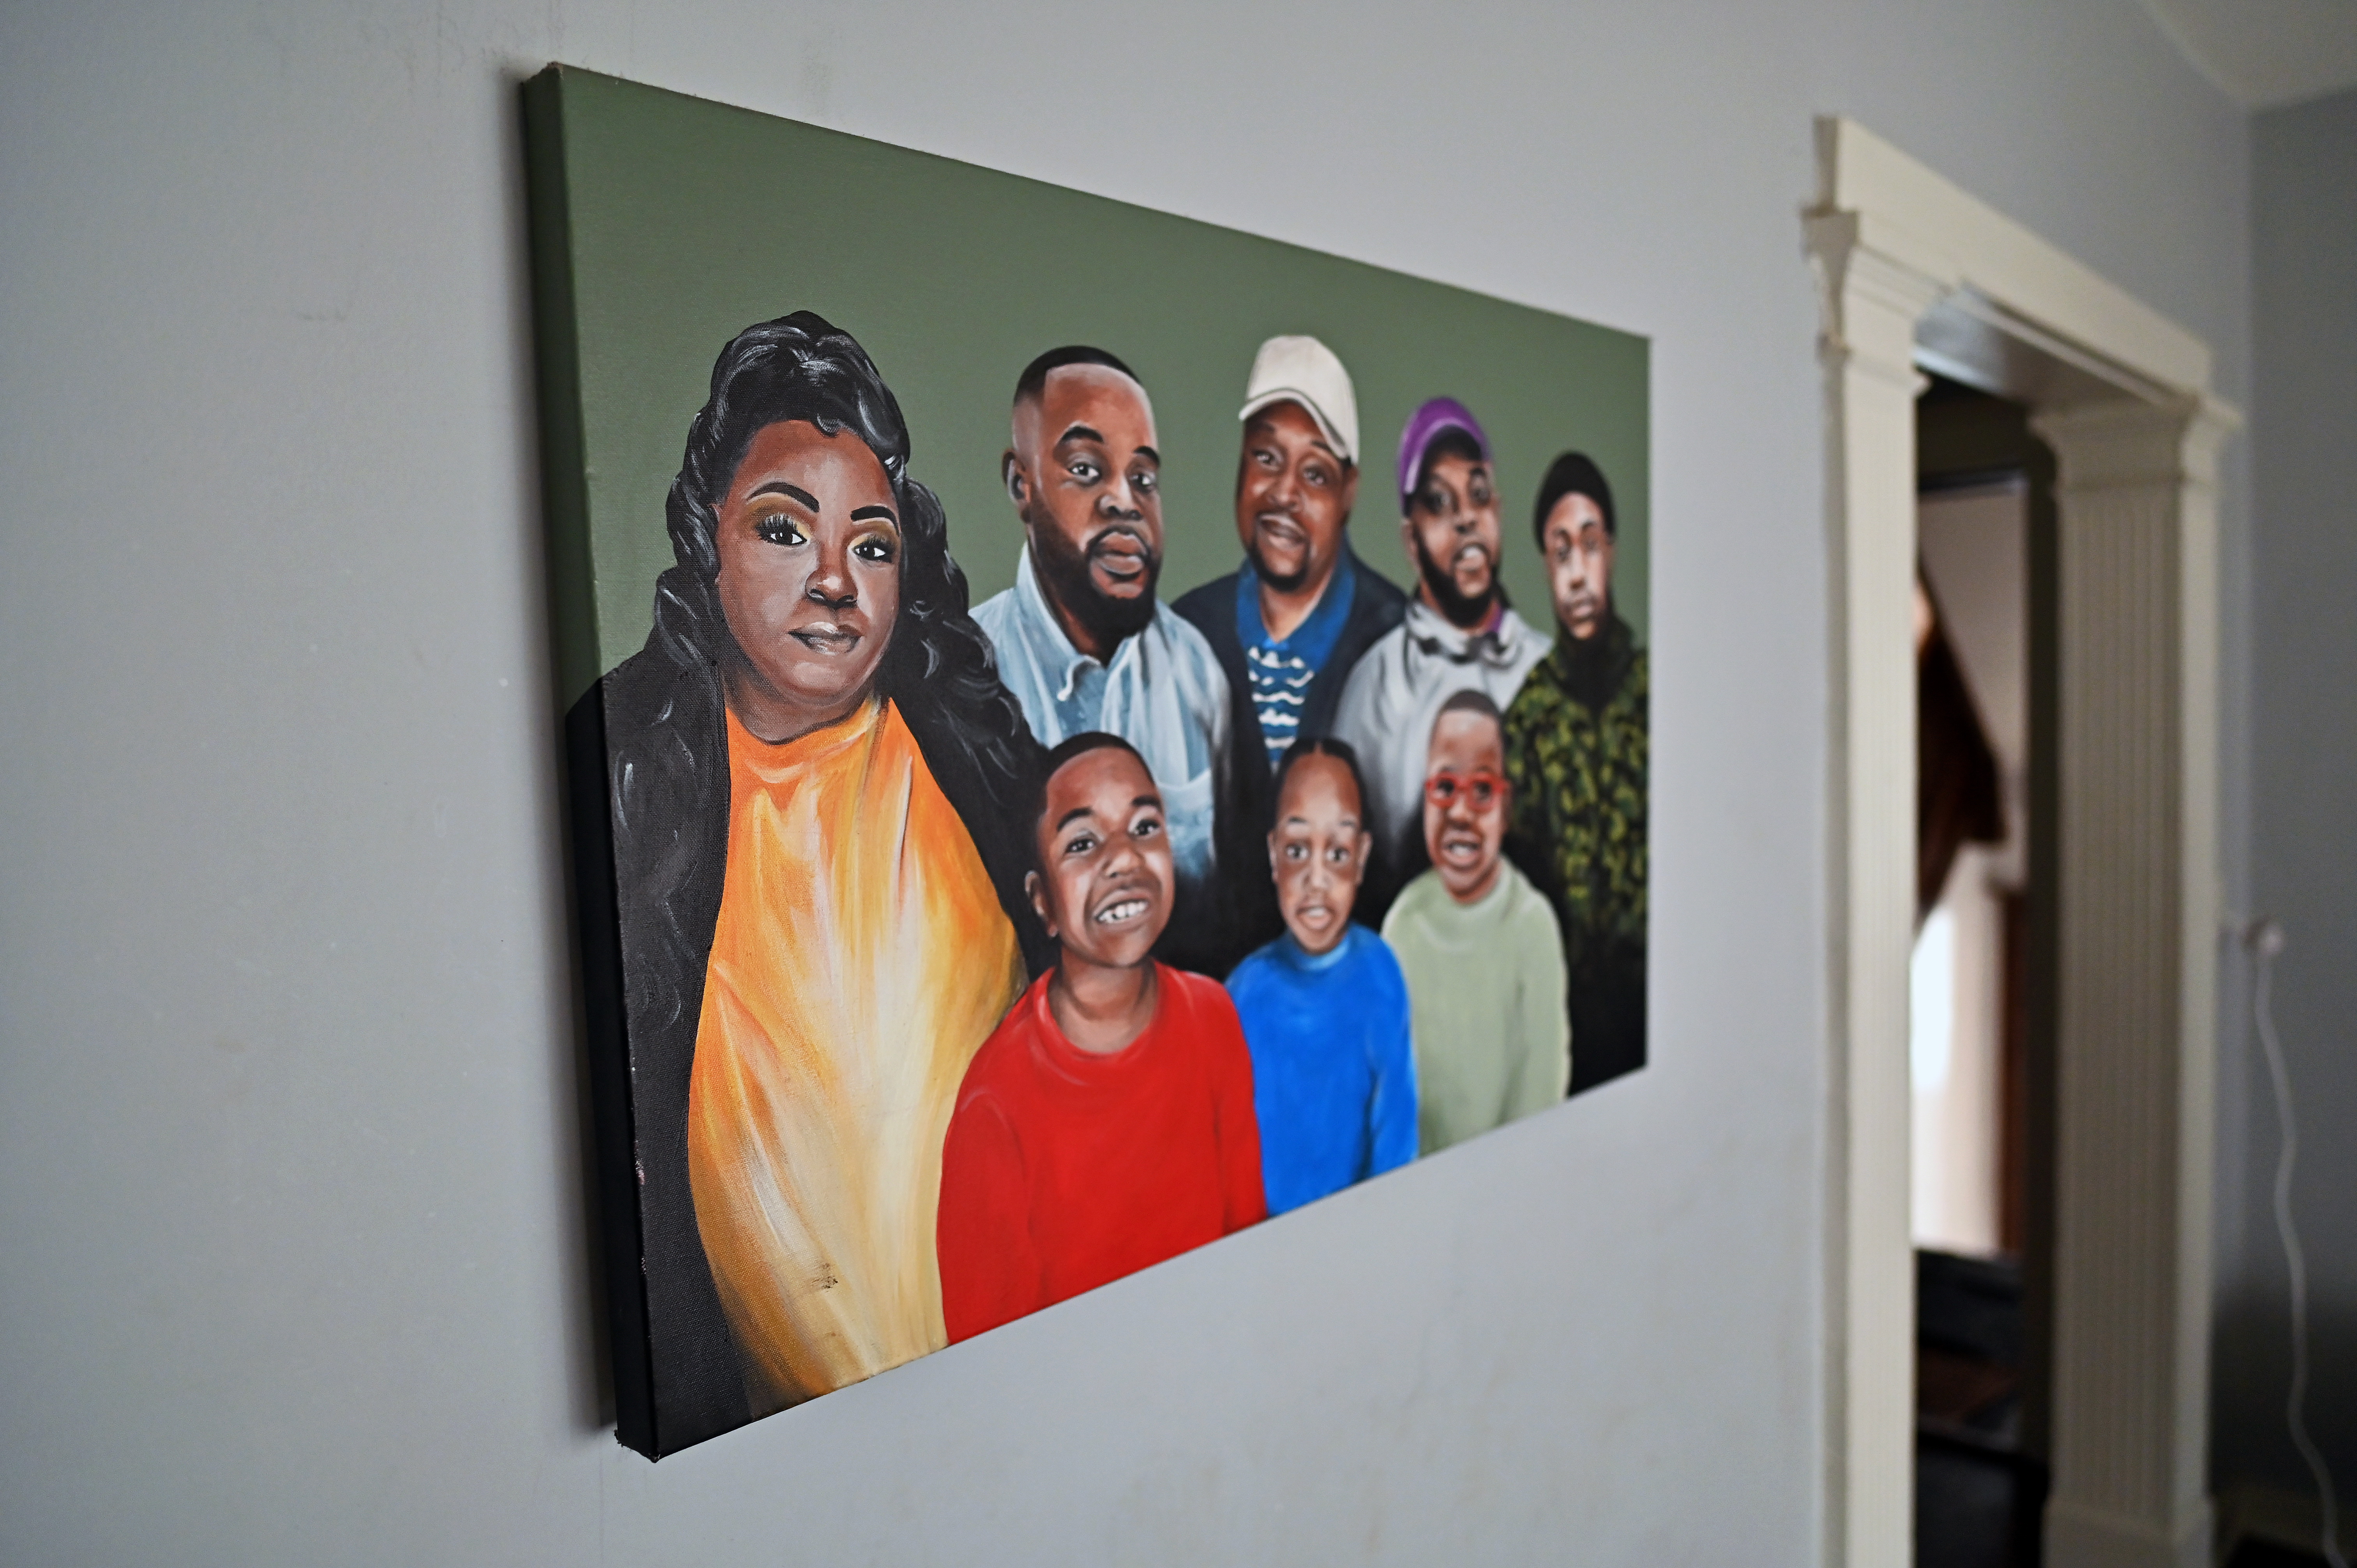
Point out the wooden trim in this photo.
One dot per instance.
(1890, 242)
(2000, 269)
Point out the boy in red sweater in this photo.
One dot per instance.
(1107, 1124)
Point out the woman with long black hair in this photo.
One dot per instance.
(813, 776)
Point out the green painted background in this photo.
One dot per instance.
(672, 222)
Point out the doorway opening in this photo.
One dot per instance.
(1981, 996)
(1915, 274)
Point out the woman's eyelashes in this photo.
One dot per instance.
(783, 528)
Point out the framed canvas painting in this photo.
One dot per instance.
(1086, 730)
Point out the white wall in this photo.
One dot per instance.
(289, 1154)
(2304, 786)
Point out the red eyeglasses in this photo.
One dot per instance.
(1479, 789)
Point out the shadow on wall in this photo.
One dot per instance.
(2253, 1340)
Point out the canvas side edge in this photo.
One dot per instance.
(589, 828)
(556, 352)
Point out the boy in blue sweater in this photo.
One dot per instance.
(1325, 1007)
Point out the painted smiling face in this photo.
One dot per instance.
(1465, 803)
(1293, 497)
(1318, 850)
(809, 577)
(1103, 886)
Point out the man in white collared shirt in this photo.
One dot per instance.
(1082, 639)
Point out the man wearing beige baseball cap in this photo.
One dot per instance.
(1289, 623)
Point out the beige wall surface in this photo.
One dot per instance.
(290, 1173)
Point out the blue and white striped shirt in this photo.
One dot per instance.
(1283, 670)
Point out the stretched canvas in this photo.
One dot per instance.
(1086, 730)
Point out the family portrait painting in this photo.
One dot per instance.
(1086, 731)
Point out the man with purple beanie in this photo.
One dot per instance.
(1459, 633)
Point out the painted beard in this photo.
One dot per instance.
(1286, 582)
(1599, 610)
(1069, 585)
(1441, 583)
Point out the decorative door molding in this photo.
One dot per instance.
(1913, 271)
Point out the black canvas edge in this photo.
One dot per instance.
(597, 910)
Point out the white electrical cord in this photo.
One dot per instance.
(2266, 939)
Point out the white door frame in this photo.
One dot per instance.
(1913, 271)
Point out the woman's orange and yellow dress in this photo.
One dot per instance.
(860, 958)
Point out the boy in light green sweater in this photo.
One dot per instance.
(1479, 945)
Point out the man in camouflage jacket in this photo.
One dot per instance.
(1575, 756)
